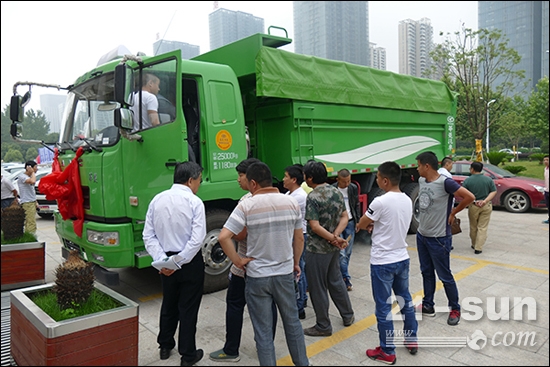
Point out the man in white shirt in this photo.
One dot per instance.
(176, 225)
(9, 193)
(149, 103)
(390, 215)
(546, 197)
(446, 167)
(292, 181)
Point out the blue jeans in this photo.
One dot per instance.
(434, 255)
(384, 279)
(260, 293)
(302, 282)
(345, 254)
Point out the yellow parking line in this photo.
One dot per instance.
(361, 325)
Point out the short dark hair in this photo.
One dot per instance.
(147, 77)
(316, 170)
(30, 163)
(344, 172)
(391, 171)
(445, 160)
(186, 170)
(428, 158)
(476, 166)
(296, 172)
(243, 166)
(260, 173)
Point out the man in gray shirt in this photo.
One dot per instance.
(433, 237)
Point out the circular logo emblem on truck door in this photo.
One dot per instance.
(224, 139)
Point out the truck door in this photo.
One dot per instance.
(148, 163)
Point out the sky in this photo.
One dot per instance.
(54, 42)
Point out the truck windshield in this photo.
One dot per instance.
(89, 114)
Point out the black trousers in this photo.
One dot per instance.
(182, 294)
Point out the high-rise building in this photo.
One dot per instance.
(188, 51)
(525, 24)
(52, 105)
(336, 30)
(227, 26)
(377, 56)
(415, 45)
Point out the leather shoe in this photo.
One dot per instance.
(477, 252)
(349, 321)
(198, 356)
(302, 314)
(165, 353)
(313, 331)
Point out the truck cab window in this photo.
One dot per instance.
(155, 96)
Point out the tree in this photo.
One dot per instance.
(477, 65)
(13, 155)
(31, 154)
(35, 125)
(537, 111)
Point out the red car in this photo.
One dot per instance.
(517, 194)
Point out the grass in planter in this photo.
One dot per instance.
(98, 301)
(27, 237)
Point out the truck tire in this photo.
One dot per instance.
(374, 193)
(216, 263)
(411, 190)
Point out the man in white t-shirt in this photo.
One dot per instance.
(390, 216)
(292, 181)
(149, 103)
(446, 167)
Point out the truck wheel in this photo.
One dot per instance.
(517, 202)
(411, 190)
(374, 193)
(216, 263)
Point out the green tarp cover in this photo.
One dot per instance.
(285, 74)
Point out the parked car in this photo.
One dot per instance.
(46, 208)
(517, 194)
(510, 151)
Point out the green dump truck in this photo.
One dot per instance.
(246, 99)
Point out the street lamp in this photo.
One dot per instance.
(487, 130)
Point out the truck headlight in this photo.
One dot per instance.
(103, 238)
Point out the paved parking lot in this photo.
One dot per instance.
(512, 269)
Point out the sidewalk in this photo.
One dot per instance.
(514, 263)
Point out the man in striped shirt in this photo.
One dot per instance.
(274, 244)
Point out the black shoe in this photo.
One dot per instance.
(302, 314)
(198, 357)
(477, 252)
(165, 353)
(349, 321)
(473, 248)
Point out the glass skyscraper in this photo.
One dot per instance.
(227, 26)
(336, 30)
(525, 24)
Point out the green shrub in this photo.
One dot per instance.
(497, 157)
(515, 169)
(537, 157)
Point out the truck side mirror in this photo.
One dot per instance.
(16, 108)
(123, 119)
(124, 85)
(15, 130)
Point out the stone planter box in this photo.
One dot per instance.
(107, 338)
(23, 264)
